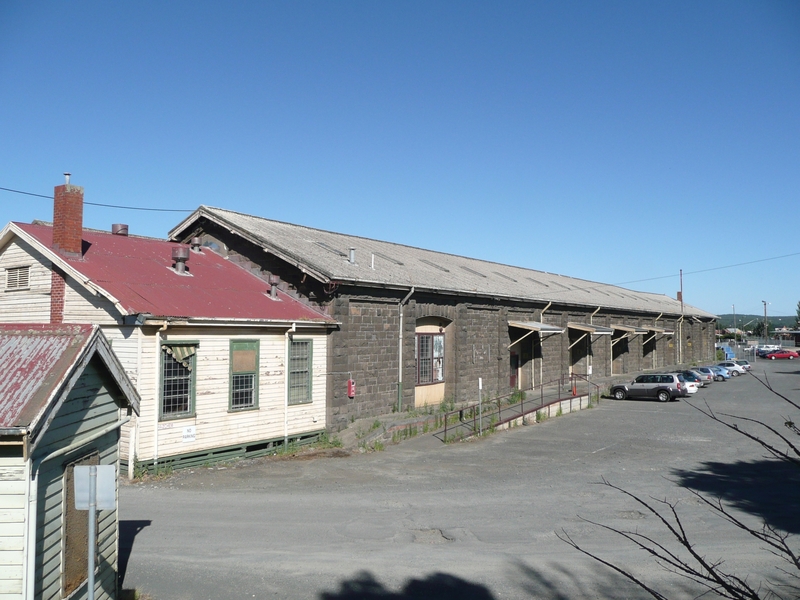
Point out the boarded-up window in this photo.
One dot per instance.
(177, 380)
(18, 278)
(244, 374)
(300, 371)
(430, 358)
(76, 531)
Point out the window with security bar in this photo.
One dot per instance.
(430, 358)
(244, 374)
(300, 355)
(177, 380)
(18, 278)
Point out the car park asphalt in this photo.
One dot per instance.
(475, 519)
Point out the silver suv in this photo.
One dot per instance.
(663, 386)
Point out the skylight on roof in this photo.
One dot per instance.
(504, 276)
(434, 265)
(330, 249)
(536, 281)
(389, 258)
(468, 270)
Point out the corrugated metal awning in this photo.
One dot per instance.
(659, 329)
(631, 328)
(536, 326)
(589, 328)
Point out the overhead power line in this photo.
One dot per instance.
(588, 288)
(103, 205)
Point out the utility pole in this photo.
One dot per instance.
(734, 323)
(766, 327)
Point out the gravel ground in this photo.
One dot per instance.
(476, 519)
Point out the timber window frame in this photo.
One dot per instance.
(243, 380)
(429, 357)
(178, 376)
(300, 371)
(18, 278)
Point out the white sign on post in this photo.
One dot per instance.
(106, 487)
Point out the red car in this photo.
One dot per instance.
(790, 354)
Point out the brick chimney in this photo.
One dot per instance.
(68, 219)
(67, 240)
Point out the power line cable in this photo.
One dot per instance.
(588, 289)
(103, 205)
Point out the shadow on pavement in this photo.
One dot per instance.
(768, 489)
(564, 583)
(441, 586)
(128, 531)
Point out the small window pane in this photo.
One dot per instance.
(177, 386)
(300, 372)
(242, 392)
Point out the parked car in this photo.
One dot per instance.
(789, 354)
(721, 373)
(692, 377)
(663, 386)
(692, 387)
(744, 364)
(762, 351)
(708, 374)
(735, 369)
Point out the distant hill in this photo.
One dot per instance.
(726, 321)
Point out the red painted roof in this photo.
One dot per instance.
(34, 360)
(138, 273)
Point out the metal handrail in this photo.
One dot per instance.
(475, 408)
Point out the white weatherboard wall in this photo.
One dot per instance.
(214, 424)
(31, 305)
(12, 526)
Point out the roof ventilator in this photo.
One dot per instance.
(352, 255)
(119, 229)
(180, 254)
(273, 286)
(196, 243)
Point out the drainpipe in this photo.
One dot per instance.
(541, 361)
(400, 352)
(287, 338)
(156, 387)
(589, 357)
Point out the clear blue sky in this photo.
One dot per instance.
(613, 141)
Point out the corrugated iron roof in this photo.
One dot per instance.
(137, 272)
(378, 263)
(34, 361)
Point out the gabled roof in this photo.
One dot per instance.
(325, 255)
(136, 274)
(37, 364)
